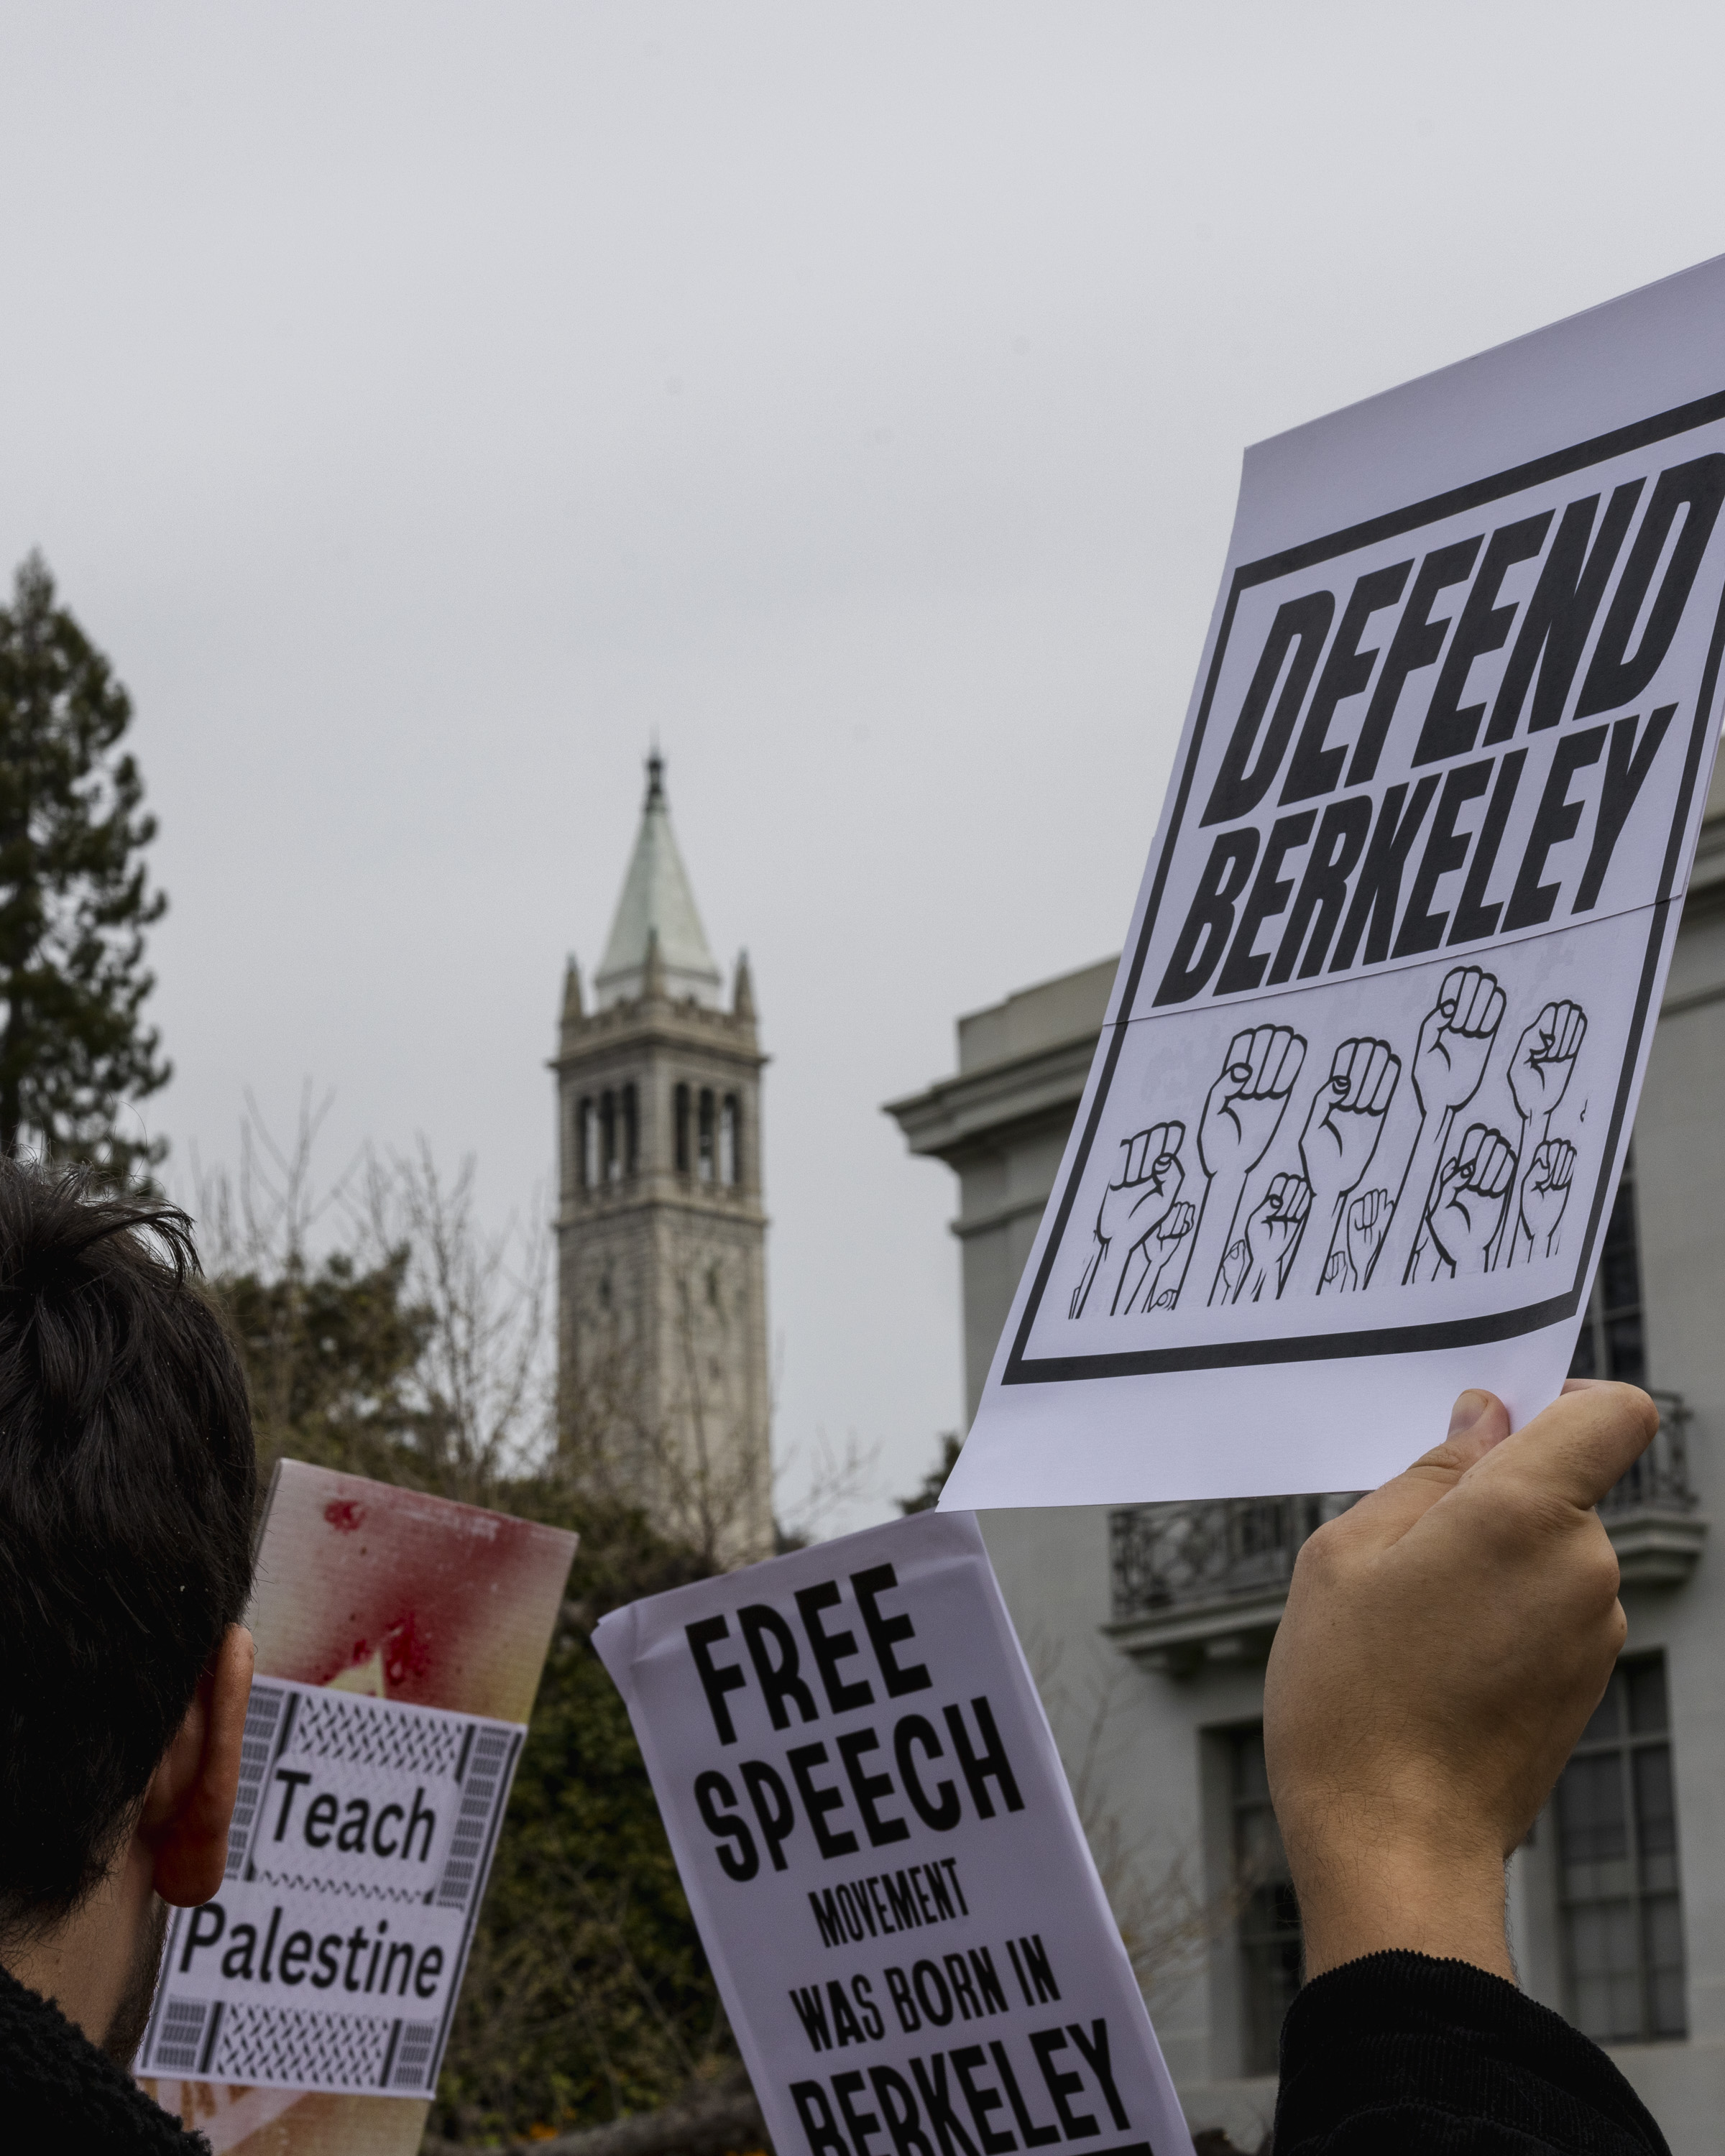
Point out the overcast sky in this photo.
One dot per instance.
(426, 405)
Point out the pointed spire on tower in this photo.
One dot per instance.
(653, 985)
(657, 901)
(742, 999)
(571, 991)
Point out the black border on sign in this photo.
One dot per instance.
(1453, 1333)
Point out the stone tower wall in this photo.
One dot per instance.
(662, 1276)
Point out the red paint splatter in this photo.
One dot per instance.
(344, 1515)
(406, 1651)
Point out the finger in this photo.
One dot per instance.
(1583, 1444)
(1299, 1200)
(1238, 1055)
(1469, 1007)
(1574, 1028)
(1470, 1144)
(1448, 1000)
(1175, 1136)
(1133, 1171)
(1293, 1057)
(1499, 1170)
(1479, 1423)
(1494, 1011)
(1389, 1078)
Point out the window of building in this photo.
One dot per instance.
(730, 1142)
(1617, 1856)
(1269, 1914)
(707, 1136)
(1611, 1342)
(608, 1137)
(679, 1124)
(631, 1131)
(587, 1145)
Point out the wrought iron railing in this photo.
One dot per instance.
(1167, 1557)
(1659, 1481)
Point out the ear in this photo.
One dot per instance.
(187, 1807)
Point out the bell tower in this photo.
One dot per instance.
(661, 1236)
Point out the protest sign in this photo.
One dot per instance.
(1371, 1062)
(400, 1640)
(884, 1859)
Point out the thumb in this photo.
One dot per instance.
(1478, 1422)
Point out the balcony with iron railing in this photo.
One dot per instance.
(1203, 1583)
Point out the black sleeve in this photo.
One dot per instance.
(1434, 2058)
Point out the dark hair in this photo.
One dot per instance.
(127, 1485)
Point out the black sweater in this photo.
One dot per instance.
(59, 2091)
(1401, 2055)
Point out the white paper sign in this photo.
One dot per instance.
(884, 1859)
(1358, 1114)
(356, 1862)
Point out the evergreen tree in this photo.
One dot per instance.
(73, 900)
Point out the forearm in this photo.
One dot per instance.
(1361, 1891)
(1210, 1238)
(1317, 1239)
(1395, 1258)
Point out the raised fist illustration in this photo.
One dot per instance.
(1132, 1210)
(1367, 1223)
(1456, 1039)
(1336, 1280)
(1545, 1191)
(1347, 1118)
(1173, 1230)
(1243, 1108)
(1473, 1190)
(1271, 1232)
(1150, 1179)
(1540, 1069)
(1167, 1299)
(1235, 1265)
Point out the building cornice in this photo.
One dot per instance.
(658, 1022)
(956, 1116)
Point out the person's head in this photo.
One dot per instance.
(127, 1487)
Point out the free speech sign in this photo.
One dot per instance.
(884, 1859)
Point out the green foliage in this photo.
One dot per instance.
(588, 1994)
(928, 1495)
(330, 1352)
(73, 900)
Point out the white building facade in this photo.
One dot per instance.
(1149, 1625)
